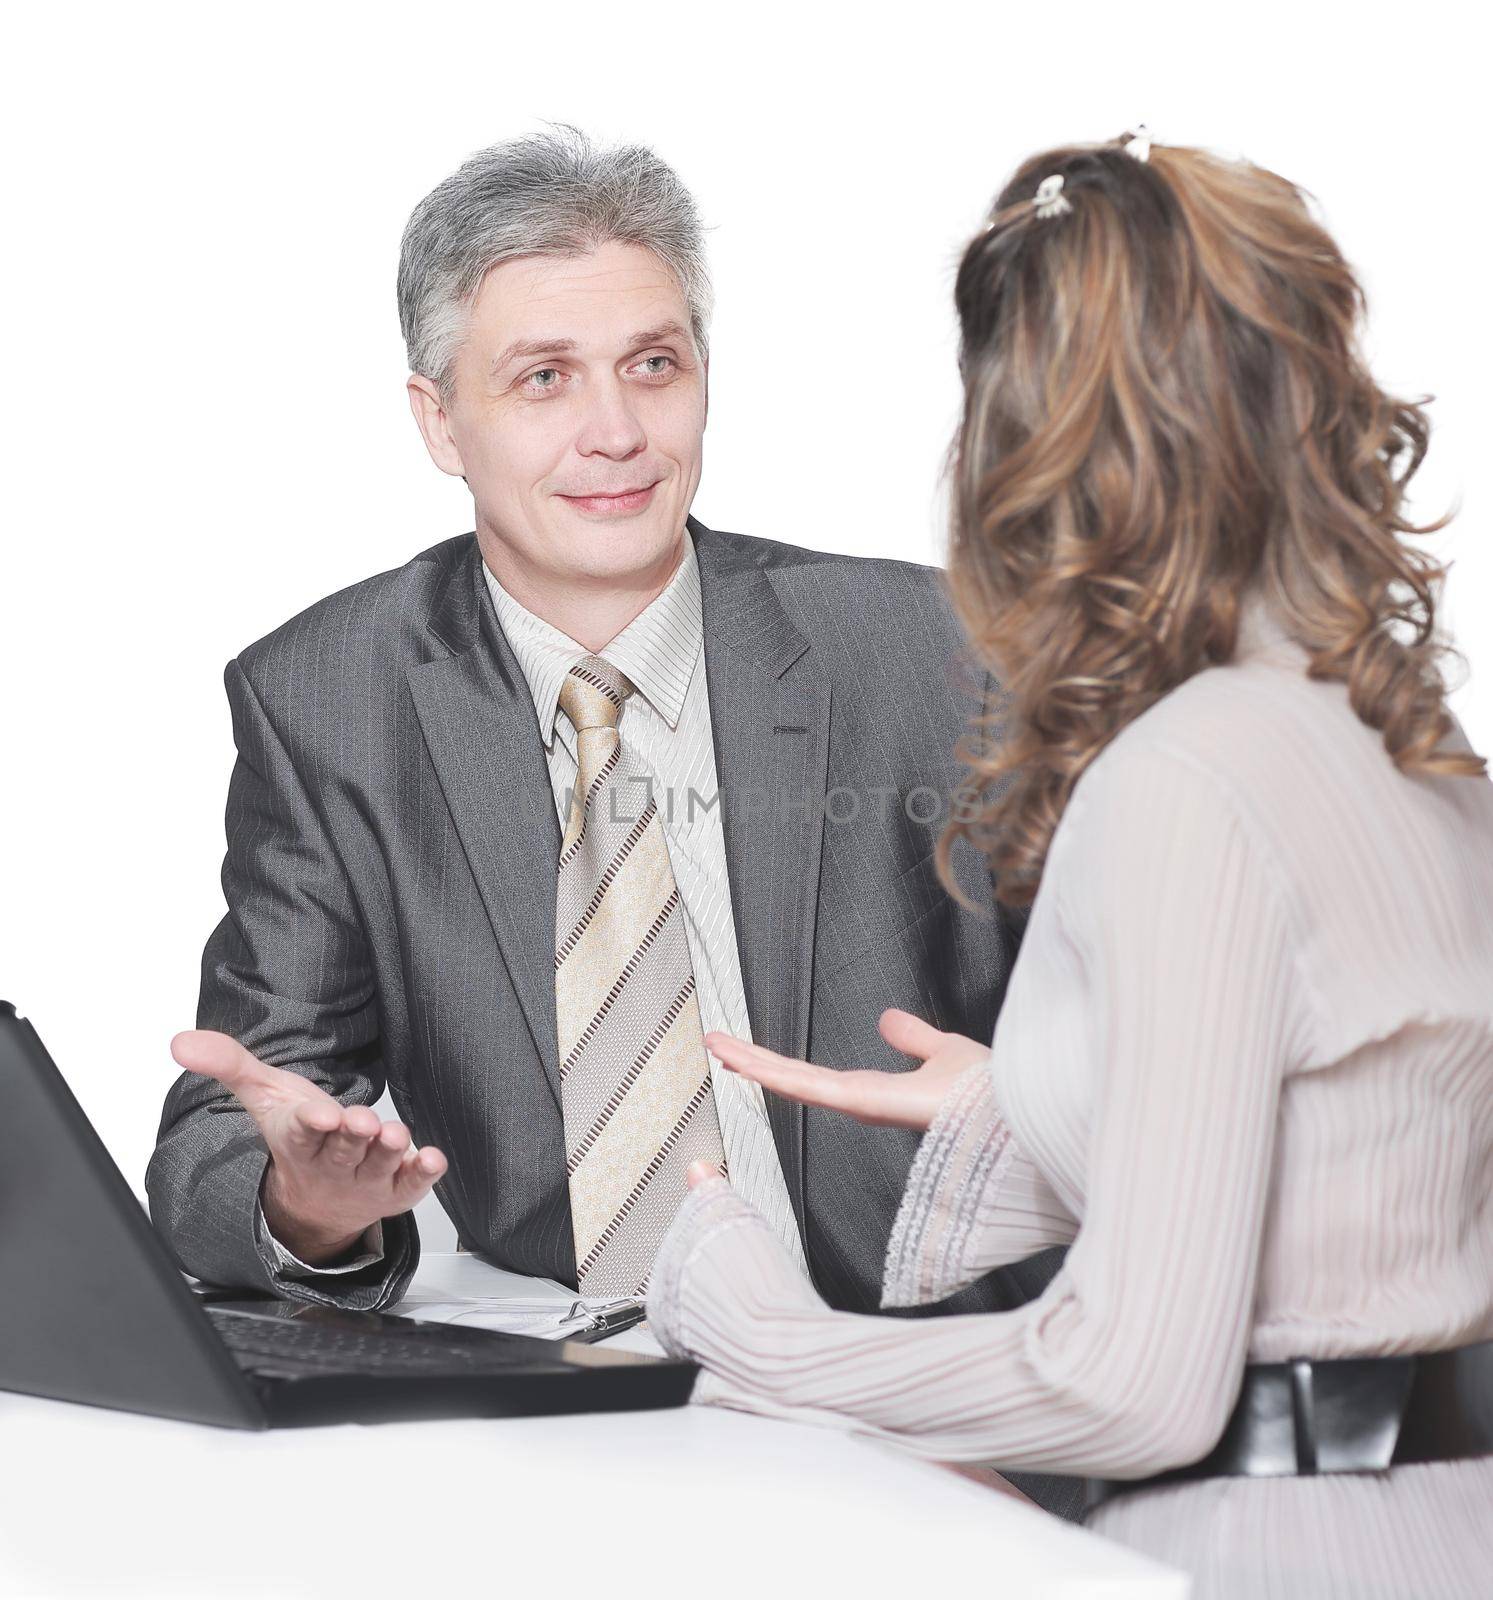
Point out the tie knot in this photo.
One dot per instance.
(593, 692)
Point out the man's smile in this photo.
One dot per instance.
(621, 503)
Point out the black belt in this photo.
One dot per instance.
(1355, 1415)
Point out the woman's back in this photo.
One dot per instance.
(1378, 1232)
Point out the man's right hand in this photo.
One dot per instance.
(333, 1169)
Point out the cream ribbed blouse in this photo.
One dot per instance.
(1245, 1064)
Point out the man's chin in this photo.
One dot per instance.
(615, 553)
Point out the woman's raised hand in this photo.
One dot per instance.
(889, 1099)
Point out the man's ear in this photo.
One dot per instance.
(430, 418)
(706, 418)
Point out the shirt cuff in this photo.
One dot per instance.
(973, 1200)
(291, 1266)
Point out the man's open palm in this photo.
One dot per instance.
(334, 1169)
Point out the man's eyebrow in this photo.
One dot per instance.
(530, 347)
(665, 330)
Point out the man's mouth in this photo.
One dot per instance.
(614, 502)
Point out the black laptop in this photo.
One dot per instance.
(96, 1311)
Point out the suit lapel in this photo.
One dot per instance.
(769, 712)
(477, 716)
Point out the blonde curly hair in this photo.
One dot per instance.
(1165, 405)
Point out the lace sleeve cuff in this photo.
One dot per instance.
(973, 1201)
(720, 1269)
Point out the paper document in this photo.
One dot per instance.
(541, 1319)
(463, 1289)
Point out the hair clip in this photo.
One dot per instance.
(1049, 197)
(1138, 142)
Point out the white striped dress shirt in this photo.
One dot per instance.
(666, 725)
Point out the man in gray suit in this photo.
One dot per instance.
(418, 757)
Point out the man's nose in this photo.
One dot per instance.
(611, 426)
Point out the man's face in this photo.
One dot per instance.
(577, 418)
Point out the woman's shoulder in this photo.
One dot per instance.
(1281, 754)
(1246, 727)
(1253, 748)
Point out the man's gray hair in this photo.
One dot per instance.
(541, 194)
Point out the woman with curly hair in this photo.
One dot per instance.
(1245, 1064)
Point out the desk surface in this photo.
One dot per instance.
(697, 1501)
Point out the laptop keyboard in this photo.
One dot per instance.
(280, 1342)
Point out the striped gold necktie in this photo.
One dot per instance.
(634, 1076)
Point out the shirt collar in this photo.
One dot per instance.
(657, 649)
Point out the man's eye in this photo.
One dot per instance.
(549, 375)
(657, 366)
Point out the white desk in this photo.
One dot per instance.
(696, 1502)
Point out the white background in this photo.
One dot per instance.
(205, 421)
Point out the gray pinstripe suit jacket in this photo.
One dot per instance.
(390, 879)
